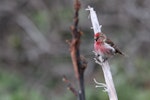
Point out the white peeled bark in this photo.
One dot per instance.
(95, 24)
(109, 86)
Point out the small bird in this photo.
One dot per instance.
(104, 47)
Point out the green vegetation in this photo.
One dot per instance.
(12, 87)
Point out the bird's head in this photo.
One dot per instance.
(100, 37)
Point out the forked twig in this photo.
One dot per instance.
(69, 86)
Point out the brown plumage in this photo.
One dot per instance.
(108, 41)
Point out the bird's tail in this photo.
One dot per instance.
(121, 53)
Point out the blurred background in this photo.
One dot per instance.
(34, 55)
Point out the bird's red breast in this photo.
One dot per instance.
(104, 39)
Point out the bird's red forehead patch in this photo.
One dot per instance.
(97, 35)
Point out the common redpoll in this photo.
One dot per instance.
(104, 47)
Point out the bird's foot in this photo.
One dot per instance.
(99, 58)
(104, 59)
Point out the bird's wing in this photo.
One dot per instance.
(108, 41)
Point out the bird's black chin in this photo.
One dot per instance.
(96, 39)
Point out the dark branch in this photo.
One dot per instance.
(78, 62)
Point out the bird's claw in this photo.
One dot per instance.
(99, 59)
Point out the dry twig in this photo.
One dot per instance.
(69, 86)
(79, 62)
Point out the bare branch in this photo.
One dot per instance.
(109, 87)
(96, 27)
(79, 62)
